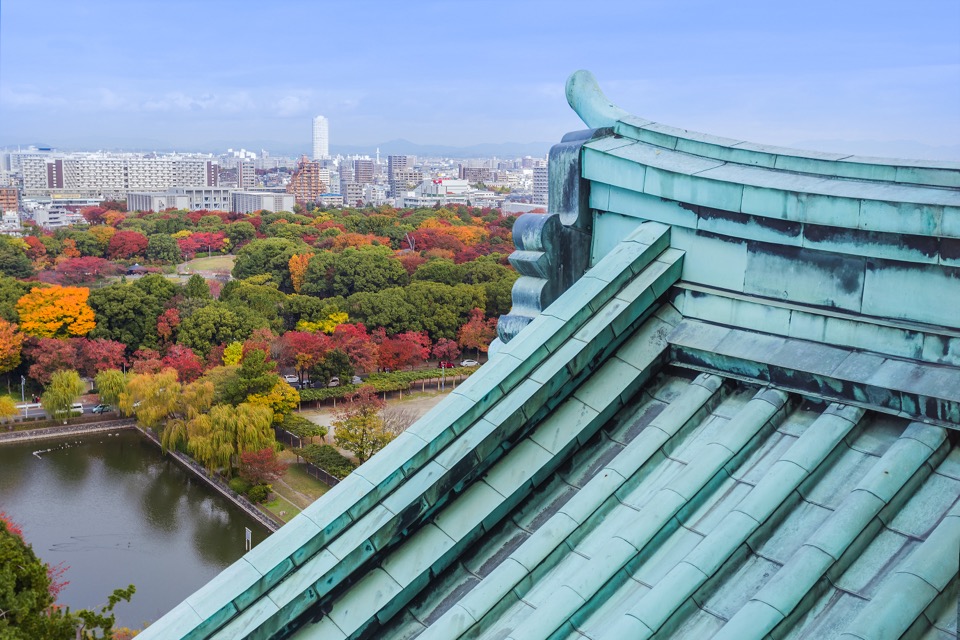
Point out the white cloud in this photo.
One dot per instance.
(291, 105)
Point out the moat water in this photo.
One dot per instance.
(116, 511)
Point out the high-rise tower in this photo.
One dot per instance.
(321, 138)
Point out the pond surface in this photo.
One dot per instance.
(116, 511)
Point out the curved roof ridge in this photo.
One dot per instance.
(589, 102)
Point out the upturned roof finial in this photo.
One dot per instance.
(585, 97)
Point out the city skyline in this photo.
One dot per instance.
(867, 78)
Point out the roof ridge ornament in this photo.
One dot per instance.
(586, 98)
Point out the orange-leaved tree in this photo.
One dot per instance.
(56, 312)
(11, 342)
(298, 269)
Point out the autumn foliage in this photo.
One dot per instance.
(56, 312)
(11, 342)
(298, 269)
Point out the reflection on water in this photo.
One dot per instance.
(116, 511)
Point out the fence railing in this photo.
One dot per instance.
(287, 438)
(318, 473)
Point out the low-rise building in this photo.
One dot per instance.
(253, 201)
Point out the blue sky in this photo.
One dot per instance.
(207, 75)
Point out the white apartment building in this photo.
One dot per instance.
(112, 175)
(541, 186)
(321, 138)
(253, 201)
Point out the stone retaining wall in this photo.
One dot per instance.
(48, 433)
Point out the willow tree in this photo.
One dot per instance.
(216, 439)
(208, 441)
(111, 384)
(253, 428)
(195, 401)
(62, 392)
(153, 397)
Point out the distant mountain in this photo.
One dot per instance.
(484, 150)
(280, 148)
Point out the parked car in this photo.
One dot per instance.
(334, 382)
(356, 380)
(469, 363)
(447, 365)
(102, 408)
(290, 378)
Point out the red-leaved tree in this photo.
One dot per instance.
(478, 332)
(185, 361)
(81, 270)
(359, 346)
(407, 349)
(98, 355)
(303, 350)
(446, 350)
(146, 361)
(261, 467)
(126, 244)
(167, 324)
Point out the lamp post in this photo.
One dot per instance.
(23, 381)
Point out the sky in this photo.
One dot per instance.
(205, 75)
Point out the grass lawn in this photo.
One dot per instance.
(299, 481)
(213, 263)
(281, 508)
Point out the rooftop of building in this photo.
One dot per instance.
(725, 404)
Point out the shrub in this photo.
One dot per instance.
(259, 492)
(327, 458)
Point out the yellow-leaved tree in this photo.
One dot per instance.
(56, 312)
(298, 269)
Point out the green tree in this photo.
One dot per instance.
(111, 385)
(440, 270)
(13, 259)
(158, 287)
(240, 233)
(162, 247)
(11, 290)
(359, 427)
(496, 279)
(335, 363)
(369, 268)
(270, 255)
(62, 392)
(256, 375)
(86, 242)
(126, 314)
(197, 288)
(218, 323)
(258, 294)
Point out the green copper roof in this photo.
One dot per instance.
(740, 421)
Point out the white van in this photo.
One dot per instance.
(76, 409)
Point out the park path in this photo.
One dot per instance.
(413, 405)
